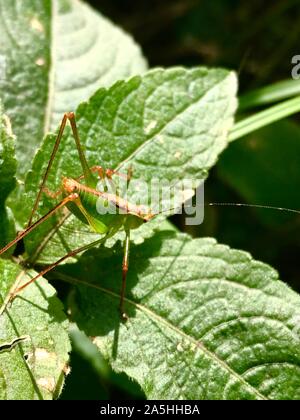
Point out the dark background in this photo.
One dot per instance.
(258, 40)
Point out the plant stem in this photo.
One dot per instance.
(265, 117)
(268, 94)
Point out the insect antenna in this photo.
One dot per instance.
(221, 204)
(258, 206)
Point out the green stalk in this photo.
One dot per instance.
(268, 94)
(265, 117)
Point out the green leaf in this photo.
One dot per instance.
(24, 68)
(34, 342)
(8, 162)
(168, 125)
(87, 351)
(205, 321)
(82, 345)
(8, 166)
(53, 55)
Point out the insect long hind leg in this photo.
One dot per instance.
(46, 174)
(87, 173)
(125, 266)
(85, 167)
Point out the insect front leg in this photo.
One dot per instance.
(52, 194)
(109, 173)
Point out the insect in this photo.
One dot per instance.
(82, 198)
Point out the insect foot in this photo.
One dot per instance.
(124, 316)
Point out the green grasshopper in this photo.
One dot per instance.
(80, 196)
